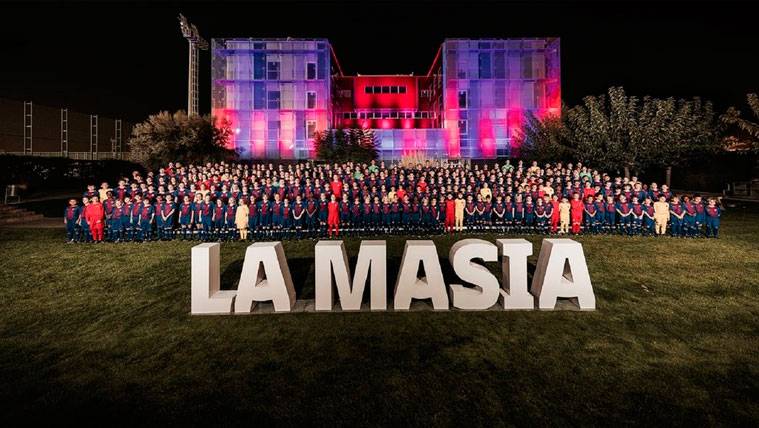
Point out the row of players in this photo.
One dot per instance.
(207, 219)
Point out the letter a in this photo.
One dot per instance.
(485, 293)
(265, 258)
(206, 298)
(514, 253)
(408, 286)
(330, 256)
(562, 272)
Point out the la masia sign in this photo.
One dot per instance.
(561, 272)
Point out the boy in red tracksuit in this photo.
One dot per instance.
(450, 213)
(555, 213)
(577, 210)
(333, 217)
(94, 213)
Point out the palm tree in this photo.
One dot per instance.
(732, 117)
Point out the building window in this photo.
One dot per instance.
(272, 100)
(385, 89)
(310, 71)
(272, 70)
(259, 66)
(463, 127)
(345, 93)
(393, 89)
(401, 89)
(310, 129)
(368, 89)
(484, 62)
(463, 99)
(310, 100)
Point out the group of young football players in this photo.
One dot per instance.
(230, 201)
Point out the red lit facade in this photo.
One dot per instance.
(470, 104)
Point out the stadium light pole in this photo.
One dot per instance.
(197, 43)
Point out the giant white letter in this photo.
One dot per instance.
(514, 253)
(485, 293)
(562, 272)
(206, 298)
(265, 258)
(409, 286)
(330, 256)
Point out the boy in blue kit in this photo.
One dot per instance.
(529, 214)
(499, 212)
(147, 216)
(600, 213)
(591, 216)
(167, 217)
(84, 226)
(648, 218)
(217, 220)
(406, 214)
(541, 219)
(287, 218)
(624, 210)
(134, 217)
(700, 214)
(276, 216)
(611, 214)
(376, 223)
(425, 213)
(712, 214)
(264, 216)
(689, 218)
(323, 212)
(470, 213)
(637, 216)
(387, 215)
(299, 216)
(345, 214)
(230, 228)
(115, 222)
(508, 216)
(126, 220)
(204, 218)
(158, 218)
(252, 218)
(518, 214)
(676, 216)
(367, 220)
(186, 214)
(356, 216)
(71, 216)
(312, 217)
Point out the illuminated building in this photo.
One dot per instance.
(470, 104)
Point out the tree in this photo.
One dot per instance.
(678, 132)
(167, 137)
(544, 139)
(622, 132)
(340, 145)
(749, 129)
(605, 131)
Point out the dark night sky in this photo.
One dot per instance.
(129, 59)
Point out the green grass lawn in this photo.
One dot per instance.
(106, 329)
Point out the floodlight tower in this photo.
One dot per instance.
(196, 42)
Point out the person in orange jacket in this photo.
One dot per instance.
(94, 213)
